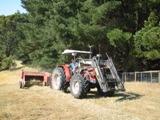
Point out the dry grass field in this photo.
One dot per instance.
(141, 101)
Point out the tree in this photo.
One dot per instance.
(147, 40)
(121, 45)
(53, 25)
(9, 36)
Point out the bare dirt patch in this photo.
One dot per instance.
(141, 101)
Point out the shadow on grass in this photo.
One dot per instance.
(93, 95)
(127, 96)
(121, 96)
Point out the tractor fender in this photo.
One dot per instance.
(66, 71)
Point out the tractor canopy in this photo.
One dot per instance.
(68, 51)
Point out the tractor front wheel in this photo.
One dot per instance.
(78, 86)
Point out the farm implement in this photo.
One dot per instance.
(27, 77)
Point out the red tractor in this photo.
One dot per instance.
(83, 74)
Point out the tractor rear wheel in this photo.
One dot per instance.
(58, 79)
(78, 86)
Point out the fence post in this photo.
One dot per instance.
(151, 76)
(125, 76)
(135, 75)
(159, 76)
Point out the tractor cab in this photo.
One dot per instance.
(76, 61)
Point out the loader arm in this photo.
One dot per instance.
(114, 73)
(102, 81)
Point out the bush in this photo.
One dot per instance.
(6, 63)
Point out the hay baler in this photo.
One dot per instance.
(27, 76)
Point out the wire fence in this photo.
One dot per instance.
(143, 76)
